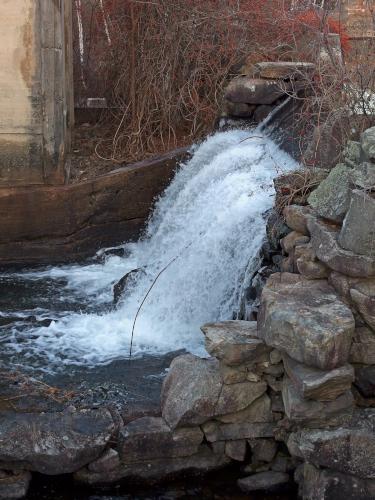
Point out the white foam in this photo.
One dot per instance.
(212, 218)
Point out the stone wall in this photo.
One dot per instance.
(36, 102)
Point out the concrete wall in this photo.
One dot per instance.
(36, 105)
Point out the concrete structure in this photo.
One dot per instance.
(36, 102)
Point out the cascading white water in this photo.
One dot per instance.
(212, 218)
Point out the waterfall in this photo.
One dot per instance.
(211, 218)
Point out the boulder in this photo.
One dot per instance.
(363, 346)
(327, 484)
(365, 380)
(190, 391)
(263, 481)
(123, 285)
(307, 263)
(352, 153)
(368, 143)
(239, 109)
(363, 175)
(349, 449)
(14, 485)
(236, 450)
(312, 383)
(358, 231)
(244, 89)
(332, 197)
(284, 70)
(308, 411)
(54, 443)
(307, 321)
(150, 438)
(234, 342)
(156, 470)
(324, 242)
(296, 218)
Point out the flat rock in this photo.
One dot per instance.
(363, 346)
(156, 470)
(215, 431)
(14, 484)
(151, 438)
(54, 443)
(234, 342)
(284, 70)
(368, 143)
(307, 321)
(309, 411)
(258, 411)
(317, 484)
(358, 230)
(296, 218)
(236, 397)
(244, 89)
(349, 449)
(191, 390)
(324, 238)
(312, 383)
(263, 481)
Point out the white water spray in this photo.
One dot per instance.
(212, 218)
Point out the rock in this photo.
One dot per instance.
(190, 391)
(365, 380)
(239, 109)
(236, 397)
(291, 240)
(234, 342)
(262, 112)
(358, 231)
(365, 305)
(107, 462)
(123, 285)
(312, 383)
(156, 470)
(54, 443)
(151, 438)
(307, 321)
(283, 463)
(363, 347)
(275, 357)
(363, 175)
(296, 218)
(324, 242)
(234, 375)
(263, 481)
(307, 263)
(349, 449)
(214, 431)
(262, 450)
(284, 70)
(332, 485)
(368, 143)
(14, 485)
(309, 411)
(244, 89)
(276, 229)
(332, 197)
(292, 188)
(287, 265)
(352, 154)
(258, 411)
(236, 450)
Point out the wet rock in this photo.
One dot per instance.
(156, 470)
(244, 89)
(308, 411)
(262, 112)
(236, 450)
(317, 484)
(239, 109)
(258, 411)
(307, 263)
(332, 197)
(214, 431)
(150, 438)
(296, 218)
(368, 143)
(14, 484)
(358, 231)
(262, 450)
(234, 342)
(263, 481)
(54, 443)
(312, 383)
(363, 346)
(349, 449)
(191, 390)
(324, 242)
(110, 460)
(307, 321)
(276, 229)
(365, 380)
(123, 285)
(289, 242)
